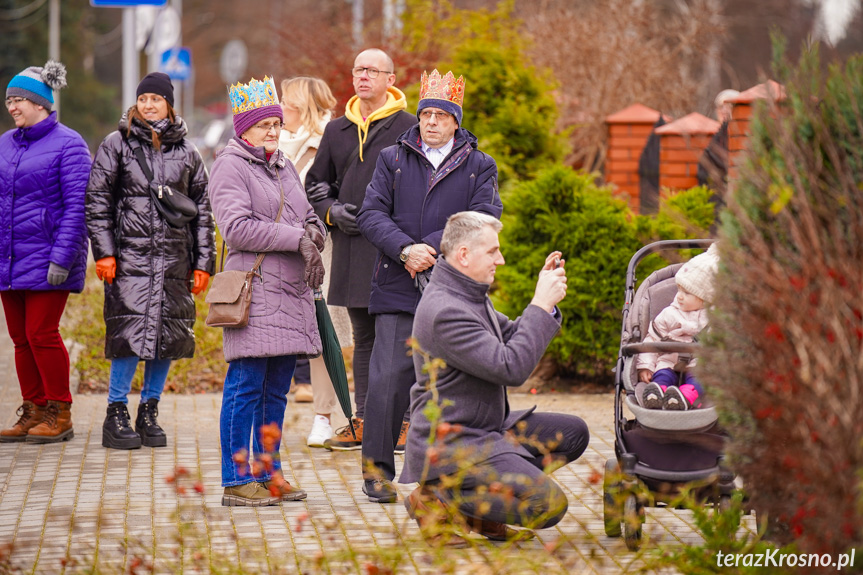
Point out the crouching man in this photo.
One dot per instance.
(487, 466)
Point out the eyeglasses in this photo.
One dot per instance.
(426, 115)
(267, 127)
(14, 101)
(372, 72)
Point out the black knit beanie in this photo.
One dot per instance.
(157, 83)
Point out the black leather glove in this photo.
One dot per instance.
(422, 279)
(314, 234)
(319, 192)
(56, 274)
(314, 275)
(343, 215)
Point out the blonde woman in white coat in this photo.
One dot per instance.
(307, 105)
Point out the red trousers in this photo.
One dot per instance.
(41, 359)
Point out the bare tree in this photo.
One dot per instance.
(608, 55)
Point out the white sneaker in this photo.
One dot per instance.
(321, 431)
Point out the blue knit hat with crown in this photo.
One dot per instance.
(38, 84)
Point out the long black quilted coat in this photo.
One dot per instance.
(149, 310)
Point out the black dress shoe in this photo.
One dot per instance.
(117, 432)
(380, 490)
(146, 425)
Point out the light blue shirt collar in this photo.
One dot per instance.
(437, 155)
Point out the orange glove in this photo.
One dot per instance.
(106, 269)
(201, 279)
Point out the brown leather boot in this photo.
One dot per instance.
(30, 415)
(499, 531)
(431, 515)
(56, 424)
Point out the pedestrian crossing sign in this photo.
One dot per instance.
(176, 63)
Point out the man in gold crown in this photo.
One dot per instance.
(435, 170)
(336, 186)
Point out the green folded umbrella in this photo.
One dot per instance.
(333, 359)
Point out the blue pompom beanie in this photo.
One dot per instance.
(38, 84)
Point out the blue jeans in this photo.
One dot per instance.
(255, 394)
(123, 370)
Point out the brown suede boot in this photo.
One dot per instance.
(30, 416)
(56, 424)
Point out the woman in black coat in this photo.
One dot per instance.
(151, 268)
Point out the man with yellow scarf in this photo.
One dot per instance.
(336, 186)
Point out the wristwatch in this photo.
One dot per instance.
(406, 251)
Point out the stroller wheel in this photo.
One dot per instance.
(724, 503)
(612, 502)
(633, 519)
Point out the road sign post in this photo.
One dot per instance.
(130, 50)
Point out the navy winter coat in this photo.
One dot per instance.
(353, 256)
(149, 311)
(408, 202)
(43, 178)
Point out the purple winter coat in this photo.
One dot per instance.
(43, 178)
(244, 194)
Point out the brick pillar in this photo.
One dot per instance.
(741, 114)
(681, 144)
(628, 131)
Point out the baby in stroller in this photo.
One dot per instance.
(664, 379)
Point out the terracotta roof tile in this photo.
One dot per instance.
(693, 123)
(634, 114)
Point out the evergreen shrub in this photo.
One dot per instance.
(783, 356)
(509, 103)
(566, 210)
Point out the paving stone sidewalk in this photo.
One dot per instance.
(64, 507)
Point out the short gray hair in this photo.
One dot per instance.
(464, 228)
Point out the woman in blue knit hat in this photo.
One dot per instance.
(43, 248)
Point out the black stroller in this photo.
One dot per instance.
(657, 452)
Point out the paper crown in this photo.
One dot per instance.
(255, 94)
(432, 86)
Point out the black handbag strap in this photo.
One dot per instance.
(142, 160)
(259, 260)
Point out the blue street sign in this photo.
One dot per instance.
(126, 3)
(176, 63)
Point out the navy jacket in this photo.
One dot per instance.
(353, 256)
(43, 177)
(408, 202)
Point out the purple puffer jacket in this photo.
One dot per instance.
(43, 178)
(244, 194)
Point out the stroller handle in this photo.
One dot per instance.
(658, 347)
(658, 247)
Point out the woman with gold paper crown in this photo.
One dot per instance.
(307, 105)
(261, 209)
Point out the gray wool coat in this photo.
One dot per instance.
(244, 194)
(485, 352)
